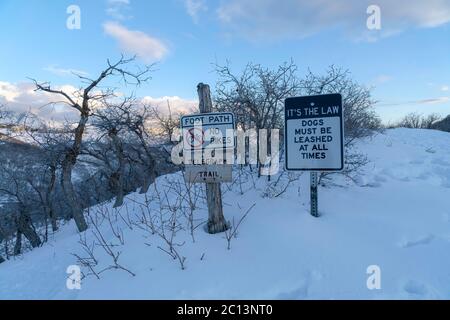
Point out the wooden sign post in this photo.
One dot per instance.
(216, 219)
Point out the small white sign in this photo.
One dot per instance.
(208, 131)
(208, 173)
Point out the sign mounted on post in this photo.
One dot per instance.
(208, 131)
(208, 173)
(207, 134)
(314, 133)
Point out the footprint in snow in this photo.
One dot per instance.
(301, 291)
(297, 294)
(417, 161)
(415, 288)
(418, 290)
(446, 217)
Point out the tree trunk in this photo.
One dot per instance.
(49, 201)
(149, 178)
(2, 259)
(18, 244)
(119, 174)
(71, 198)
(150, 169)
(67, 168)
(216, 219)
(26, 228)
(3, 237)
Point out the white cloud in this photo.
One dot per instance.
(146, 47)
(425, 102)
(22, 97)
(383, 78)
(8, 91)
(195, 7)
(434, 100)
(444, 88)
(292, 19)
(117, 9)
(177, 104)
(115, 2)
(64, 71)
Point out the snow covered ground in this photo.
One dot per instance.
(397, 217)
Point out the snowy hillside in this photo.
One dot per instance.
(397, 218)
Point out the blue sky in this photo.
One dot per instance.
(407, 60)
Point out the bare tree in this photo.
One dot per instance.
(4, 123)
(418, 121)
(83, 102)
(137, 119)
(18, 190)
(360, 119)
(53, 142)
(111, 119)
(412, 121)
(167, 123)
(256, 96)
(429, 121)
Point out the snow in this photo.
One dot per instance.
(396, 217)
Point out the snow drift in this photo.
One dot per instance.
(396, 216)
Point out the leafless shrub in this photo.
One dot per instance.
(88, 261)
(256, 95)
(110, 248)
(232, 232)
(243, 178)
(417, 121)
(278, 187)
(103, 221)
(190, 194)
(163, 222)
(354, 162)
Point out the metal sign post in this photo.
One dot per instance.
(314, 199)
(314, 137)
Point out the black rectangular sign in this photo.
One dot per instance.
(314, 133)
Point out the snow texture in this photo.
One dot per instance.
(396, 217)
